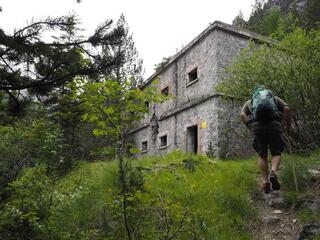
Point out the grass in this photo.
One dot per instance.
(81, 200)
(215, 196)
(210, 198)
(302, 164)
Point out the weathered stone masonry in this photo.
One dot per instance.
(195, 115)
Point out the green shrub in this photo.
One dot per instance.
(31, 143)
(291, 164)
(26, 213)
(211, 153)
(190, 163)
(81, 199)
(307, 216)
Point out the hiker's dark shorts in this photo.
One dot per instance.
(265, 139)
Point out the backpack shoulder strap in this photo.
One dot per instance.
(276, 102)
(250, 106)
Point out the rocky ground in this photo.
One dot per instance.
(280, 221)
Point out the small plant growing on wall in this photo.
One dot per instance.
(210, 152)
(190, 164)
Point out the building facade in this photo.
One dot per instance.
(195, 115)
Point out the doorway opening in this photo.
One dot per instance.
(192, 139)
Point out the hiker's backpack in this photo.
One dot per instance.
(264, 106)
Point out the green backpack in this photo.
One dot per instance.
(264, 105)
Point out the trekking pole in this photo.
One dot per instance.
(289, 145)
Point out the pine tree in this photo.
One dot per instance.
(131, 66)
(239, 21)
(311, 15)
(28, 62)
(256, 16)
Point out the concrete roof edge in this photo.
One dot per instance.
(215, 25)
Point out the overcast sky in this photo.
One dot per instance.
(159, 28)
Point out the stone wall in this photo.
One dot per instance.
(234, 138)
(203, 115)
(197, 103)
(202, 57)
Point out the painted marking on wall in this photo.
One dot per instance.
(204, 124)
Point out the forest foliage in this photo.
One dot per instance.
(268, 15)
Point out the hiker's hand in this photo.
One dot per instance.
(249, 125)
(287, 128)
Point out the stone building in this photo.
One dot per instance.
(195, 116)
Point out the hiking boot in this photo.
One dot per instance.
(266, 187)
(274, 181)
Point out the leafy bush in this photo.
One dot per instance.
(29, 143)
(26, 213)
(12, 155)
(80, 210)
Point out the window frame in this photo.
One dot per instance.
(190, 82)
(144, 150)
(166, 92)
(147, 104)
(166, 95)
(166, 141)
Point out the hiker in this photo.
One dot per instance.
(262, 114)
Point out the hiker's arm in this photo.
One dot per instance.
(245, 115)
(287, 117)
(246, 119)
(284, 107)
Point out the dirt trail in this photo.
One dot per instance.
(276, 221)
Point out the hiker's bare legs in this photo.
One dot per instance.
(263, 164)
(275, 161)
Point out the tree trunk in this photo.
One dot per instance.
(123, 184)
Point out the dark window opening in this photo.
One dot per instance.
(193, 75)
(163, 141)
(192, 139)
(165, 91)
(144, 146)
(147, 104)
